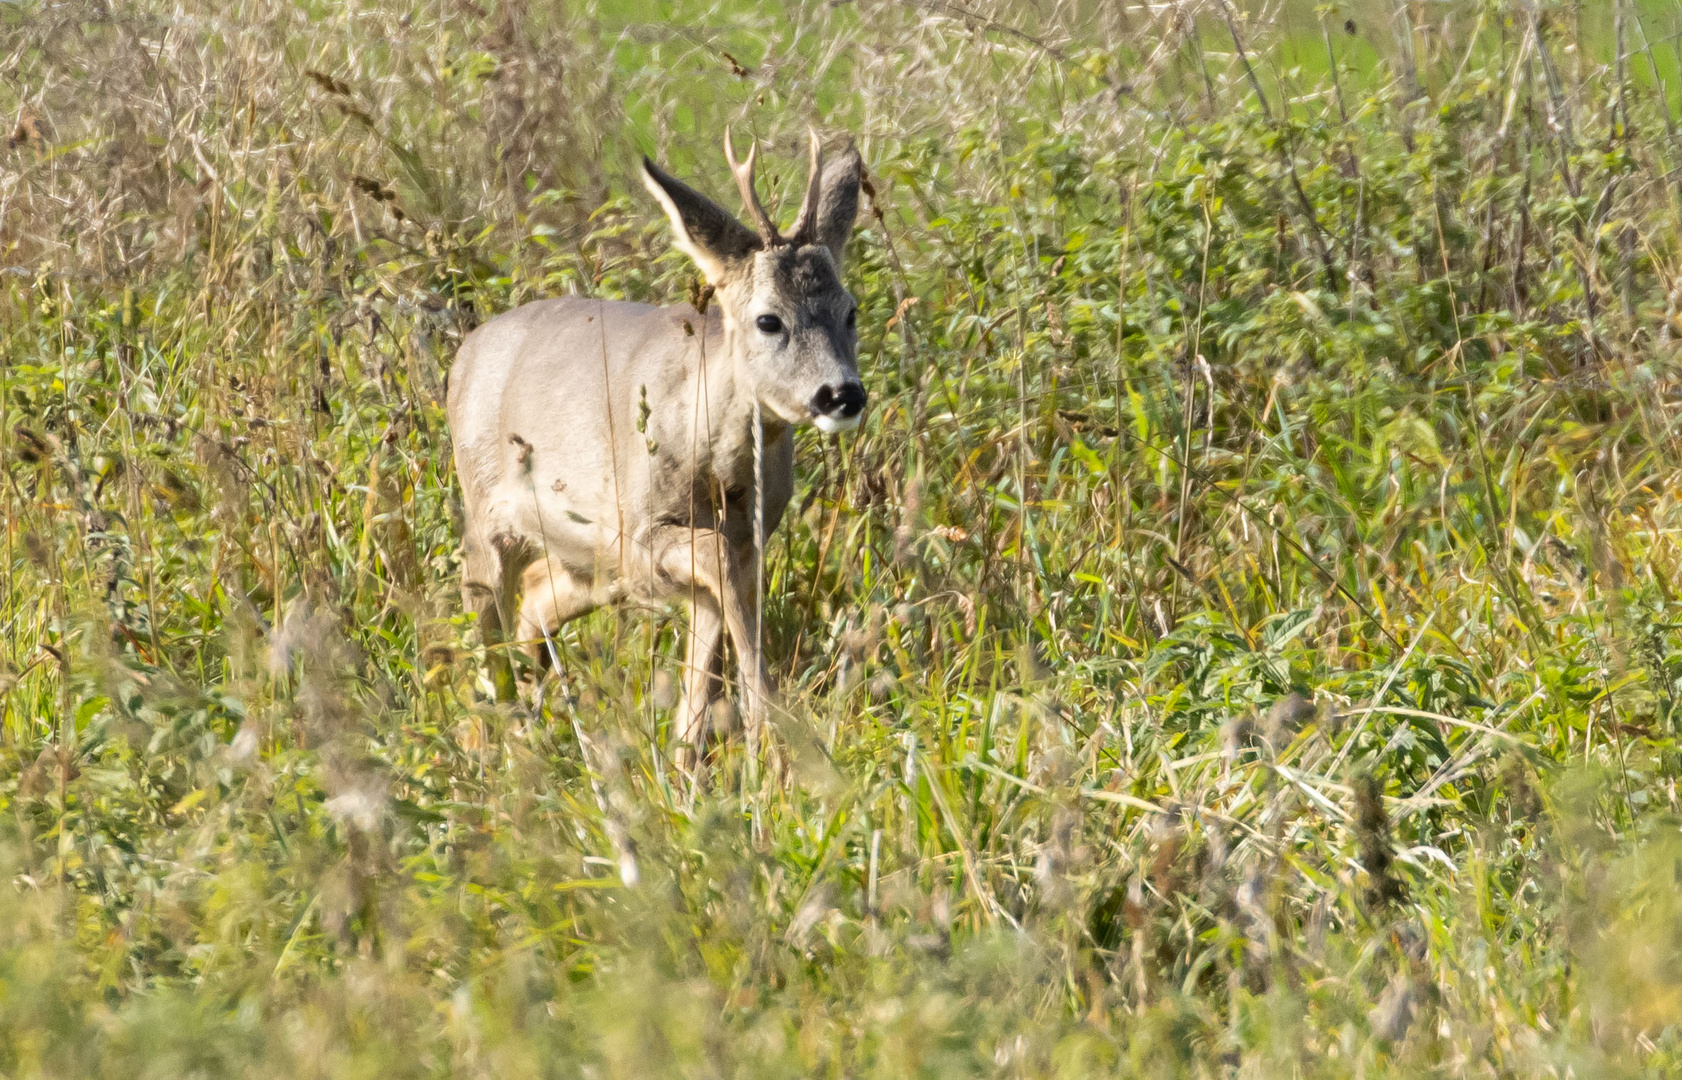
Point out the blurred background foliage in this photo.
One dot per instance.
(1242, 640)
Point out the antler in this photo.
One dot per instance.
(806, 225)
(750, 198)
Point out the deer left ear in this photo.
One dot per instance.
(704, 230)
(838, 200)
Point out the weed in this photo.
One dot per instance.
(1264, 403)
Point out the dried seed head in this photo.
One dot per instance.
(1164, 872)
(1285, 719)
(1236, 734)
(27, 132)
(721, 717)
(663, 692)
(1372, 834)
(1057, 853)
(1394, 1013)
(966, 607)
(858, 641)
(814, 910)
(244, 744)
(361, 803)
(30, 447)
(1522, 801)
(37, 550)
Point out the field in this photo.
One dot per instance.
(1243, 639)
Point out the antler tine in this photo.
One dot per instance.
(806, 225)
(743, 172)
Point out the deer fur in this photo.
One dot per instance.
(606, 450)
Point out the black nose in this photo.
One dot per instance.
(841, 402)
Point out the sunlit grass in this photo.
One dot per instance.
(1240, 641)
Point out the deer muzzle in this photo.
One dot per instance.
(838, 407)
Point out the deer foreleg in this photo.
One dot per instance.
(700, 675)
(703, 560)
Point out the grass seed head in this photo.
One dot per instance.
(1377, 852)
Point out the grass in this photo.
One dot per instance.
(1242, 640)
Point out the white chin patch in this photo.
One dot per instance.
(829, 425)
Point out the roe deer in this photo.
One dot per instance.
(607, 450)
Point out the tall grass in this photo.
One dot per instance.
(1242, 639)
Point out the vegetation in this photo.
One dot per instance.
(1242, 640)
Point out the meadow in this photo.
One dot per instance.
(1243, 639)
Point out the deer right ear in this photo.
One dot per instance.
(705, 231)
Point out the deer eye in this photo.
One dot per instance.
(852, 318)
(769, 324)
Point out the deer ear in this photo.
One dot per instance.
(838, 200)
(705, 231)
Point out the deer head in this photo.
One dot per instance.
(792, 325)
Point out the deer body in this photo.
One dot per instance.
(606, 450)
(581, 485)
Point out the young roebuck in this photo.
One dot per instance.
(609, 451)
